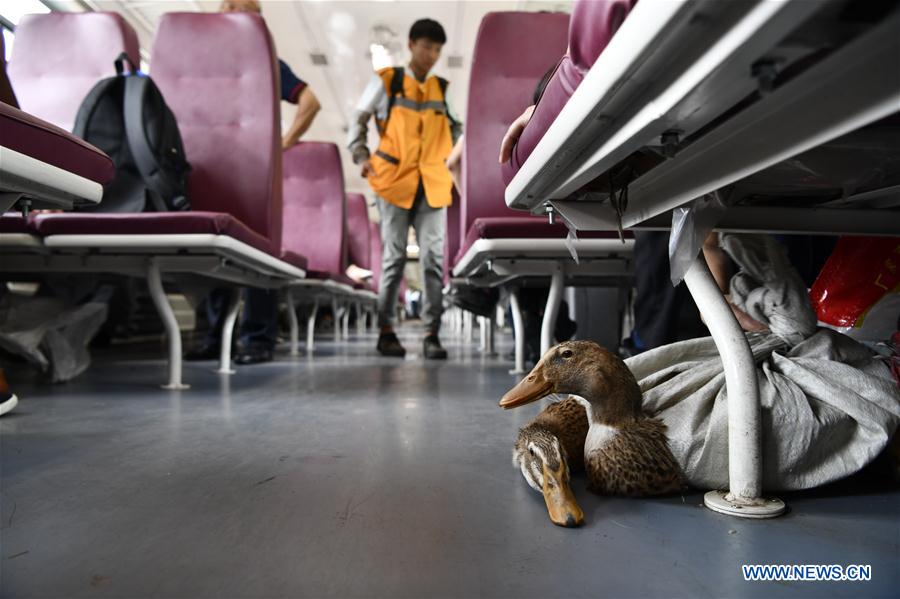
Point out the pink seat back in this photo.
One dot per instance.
(358, 231)
(507, 64)
(58, 57)
(315, 206)
(593, 24)
(218, 74)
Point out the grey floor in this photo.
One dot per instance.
(356, 476)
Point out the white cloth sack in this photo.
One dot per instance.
(49, 333)
(829, 405)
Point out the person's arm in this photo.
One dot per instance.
(513, 134)
(307, 108)
(373, 102)
(722, 270)
(454, 163)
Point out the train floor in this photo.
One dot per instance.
(352, 475)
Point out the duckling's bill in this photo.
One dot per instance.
(561, 504)
(532, 388)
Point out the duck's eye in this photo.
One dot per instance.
(531, 451)
(567, 353)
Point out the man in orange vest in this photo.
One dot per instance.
(409, 175)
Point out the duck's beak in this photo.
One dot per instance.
(561, 504)
(532, 388)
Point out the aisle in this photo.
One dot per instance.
(355, 475)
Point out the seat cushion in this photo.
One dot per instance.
(295, 259)
(523, 227)
(13, 223)
(48, 143)
(330, 276)
(151, 223)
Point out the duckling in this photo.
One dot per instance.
(546, 450)
(626, 451)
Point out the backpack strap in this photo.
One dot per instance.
(395, 90)
(444, 83)
(136, 88)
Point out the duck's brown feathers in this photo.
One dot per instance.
(567, 419)
(635, 462)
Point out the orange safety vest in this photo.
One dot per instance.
(415, 142)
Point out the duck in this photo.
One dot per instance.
(626, 451)
(546, 450)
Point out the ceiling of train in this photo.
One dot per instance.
(332, 43)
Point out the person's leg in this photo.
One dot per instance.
(259, 326)
(657, 303)
(429, 224)
(216, 311)
(394, 233)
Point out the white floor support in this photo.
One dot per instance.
(744, 498)
(554, 298)
(154, 282)
(482, 334)
(311, 328)
(294, 324)
(518, 332)
(490, 344)
(234, 303)
(336, 315)
(345, 322)
(360, 320)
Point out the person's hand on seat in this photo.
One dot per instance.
(513, 134)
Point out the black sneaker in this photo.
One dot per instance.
(389, 345)
(432, 348)
(204, 351)
(255, 354)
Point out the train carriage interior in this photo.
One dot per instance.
(449, 298)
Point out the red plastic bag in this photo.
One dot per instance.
(860, 272)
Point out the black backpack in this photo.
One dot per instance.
(127, 117)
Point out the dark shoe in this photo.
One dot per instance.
(254, 355)
(206, 351)
(432, 348)
(389, 345)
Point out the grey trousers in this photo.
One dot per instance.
(429, 225)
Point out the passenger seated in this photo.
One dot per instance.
(259, 322)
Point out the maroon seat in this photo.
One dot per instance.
(358, 231)
(58, 57)
(150, 223)
(315, 209)
(504, 74)
(226, 102)
(48, 143)
(592, 26)
(14, 223)
(529, 227)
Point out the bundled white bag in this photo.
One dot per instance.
(49, 333)
(829, 405)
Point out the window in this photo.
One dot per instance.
(11, 12)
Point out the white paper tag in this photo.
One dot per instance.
(571, 238)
